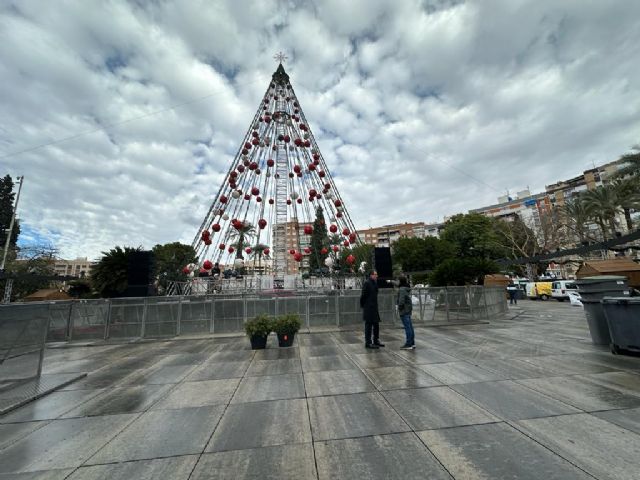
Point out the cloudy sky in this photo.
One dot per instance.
(124, 116)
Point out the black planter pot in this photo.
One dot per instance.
(285, 339)
(258, 342)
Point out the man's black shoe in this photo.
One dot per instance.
(378, 344)
(371, 345)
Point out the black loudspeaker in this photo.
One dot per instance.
(382, 263)
(139, 272)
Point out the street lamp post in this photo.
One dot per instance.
(9, 284)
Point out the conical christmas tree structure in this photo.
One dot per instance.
(273, 188)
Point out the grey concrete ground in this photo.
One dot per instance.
(526, 397)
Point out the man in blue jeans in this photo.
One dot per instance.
(405, 307)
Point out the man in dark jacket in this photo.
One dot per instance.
(370, 315)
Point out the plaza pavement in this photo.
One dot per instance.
(523, 397)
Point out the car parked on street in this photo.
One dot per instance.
(560, 289)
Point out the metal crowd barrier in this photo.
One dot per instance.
(23, 333)
(152, 317)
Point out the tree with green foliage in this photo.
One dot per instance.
(631, 164)
(241, 237)
(7, 200)
(462, 271)
(603, 207)
(361, 253)
(109, 276)
(319, 240)
(257, 251)
(414, 254)
(627, 193)
(169, 260)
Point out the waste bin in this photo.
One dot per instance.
(593, 290)
(623, 319)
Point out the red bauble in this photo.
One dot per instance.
(207, 265)
(321, 173)
(253, 166)
(258, 199)
(258, 171)
(297, 257)
(327, 186)
(247, 196)
(352, 238)
(308, 229)
(307, 250)
(296, 168)
(248, 250)
(345, 231)
(221, 246)
(336, 248)
(292, 252)
(245, 151)
(311, 167)
(240, 168)
(299, 200)
(333, 228)
(337, 203)
(231, 250)
(350, 259)
(255, 191)
(205, 234)
(312, 192)
(338, 215)
(233, 174)
(287, 139)
(266, 251)
(262, 223)
(208, 241)
(185, 270)
(288, 202)
(323, 251)
(215, 227)
(307, 143)
(346, 243)
(223, 199)
(270, 163)
(255, 141)
(271, 201)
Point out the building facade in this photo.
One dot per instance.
(80, 267)
(384, 236)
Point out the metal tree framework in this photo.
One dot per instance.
(278, 178)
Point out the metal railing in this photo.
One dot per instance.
(153, 317)
(23, 333)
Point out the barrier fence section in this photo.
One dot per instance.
(23, 334)
(158, 317)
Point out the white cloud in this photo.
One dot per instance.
(421, 109)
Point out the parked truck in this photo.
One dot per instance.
(538, 290)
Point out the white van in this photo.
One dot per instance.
(560, 289)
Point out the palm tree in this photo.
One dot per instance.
(110, 275)
(628, 194)
(241, 236)
(632, 164)
(258, 252)
(577, 215)
(603, 206)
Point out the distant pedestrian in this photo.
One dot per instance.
(405, 307)
(512, 290)
(370, 314)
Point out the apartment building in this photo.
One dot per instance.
(384, 236)
(80, 267)
(297, 240)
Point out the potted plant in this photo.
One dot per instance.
(286, 327)
(258, 330)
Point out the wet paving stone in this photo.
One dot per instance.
(629, 419)
(105, 377)
(262, 424)
(422, 355)
(286, 462)
(626, 382)
(459, 372)
(199, 394)
(158, 375)
(12, 432)
(582, 393)
(393, 378)
(50, 406)
(43, 475)
(175, 468)
(316, 339)
(514, 369)
(162, 433)
(436, 407)
(498, 452)
(274, 367)
(400, 455)
(378, 359)
(62, 444)
(320, 350)
(119, 400)
(230, 356)
(277, 353)
(356, 415)
(218, 371)
(567, 364)
(512, 401)
(272, 387)
(337, 382)
(604, 450)
(327, 363)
